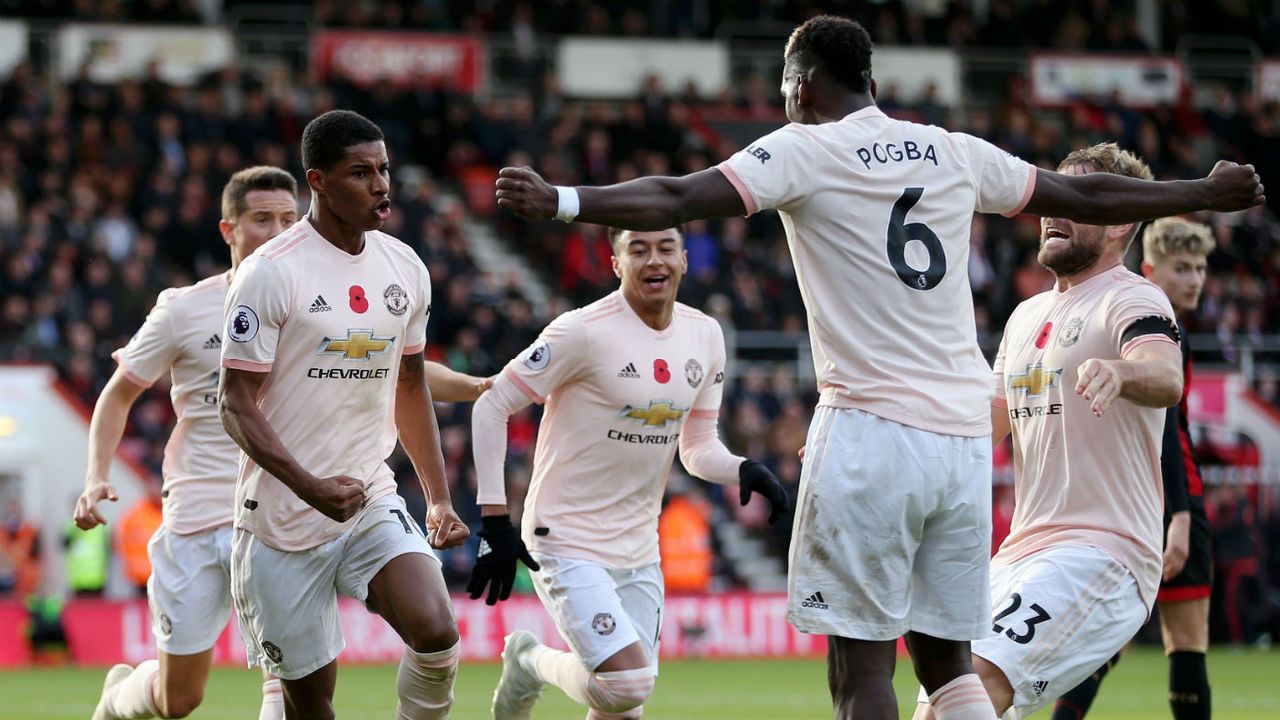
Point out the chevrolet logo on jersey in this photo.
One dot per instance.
(657, 415)
(357, 345)
(1035, 380)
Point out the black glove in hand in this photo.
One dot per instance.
(754, 477)
(500, 547)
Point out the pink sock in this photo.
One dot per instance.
(964, 698)
(272, 700)
(424, 684)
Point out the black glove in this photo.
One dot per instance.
(500, 547)
(754, 477)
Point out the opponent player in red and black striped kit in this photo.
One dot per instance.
(1174, 252)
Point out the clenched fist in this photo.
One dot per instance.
(1234, 187)
(525, 193)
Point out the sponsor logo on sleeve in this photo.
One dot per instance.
(242, 326)
(719, 377)
(538, 357)
(693, 373)
(396, 299)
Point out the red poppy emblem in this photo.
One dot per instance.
(661, 372)
(1043, 338)
(359, 302)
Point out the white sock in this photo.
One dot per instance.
(272, 700)
(964, 698)
(133, 698)
(562, 669)
(425, 684)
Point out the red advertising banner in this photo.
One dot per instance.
(735, 625)
(402, 58)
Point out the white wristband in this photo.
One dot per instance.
(567, 207)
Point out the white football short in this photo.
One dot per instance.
(1060, 614)
(189, 590)
(892, 531)
(599, 610)
(288, 601)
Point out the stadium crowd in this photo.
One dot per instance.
(1069, 25)
(108, 194)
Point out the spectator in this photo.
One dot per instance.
(19, 553)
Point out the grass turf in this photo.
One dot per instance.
(1246, 686)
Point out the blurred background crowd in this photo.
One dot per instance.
(109, 193)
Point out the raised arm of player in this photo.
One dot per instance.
(647, 203)
(110, 415)
(449, 385)
(420, 437)
(339, 497)
(1106, 199)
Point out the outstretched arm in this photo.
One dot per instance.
(1107, 199)
(449, 385)
(110, 414)
(648, 203)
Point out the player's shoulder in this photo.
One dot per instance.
(695, 316)
(282, 248)
(1126, 285)
(214, 286)
(612, 305)
(393, 246)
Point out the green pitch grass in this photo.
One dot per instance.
(1246, 686)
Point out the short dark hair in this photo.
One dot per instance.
(840, 47)
(616, 233)
(259, 177)
(325, 139)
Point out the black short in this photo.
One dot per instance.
(1196, 579)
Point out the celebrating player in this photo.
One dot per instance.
(325, 332)
(190, 586)
(626, 380)
(1174, 258)
(893, 527)
(1083, 376)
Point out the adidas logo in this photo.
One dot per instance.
(815, 601)
(1039, 686)
(213, 343)
(319, 305)
(629, 372)
(484, 548)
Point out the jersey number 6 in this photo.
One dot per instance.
(901, 232)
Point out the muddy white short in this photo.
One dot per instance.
(892, 531)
